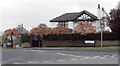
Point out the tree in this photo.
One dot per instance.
(11, 33)
(42, 25)
(40, 32)
(114, 20)
(60, 30)
(84, 28)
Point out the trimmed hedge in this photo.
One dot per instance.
(75, 36)
(24, 37)
(78, 36)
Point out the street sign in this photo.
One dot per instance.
(102, 24)
(89, 41)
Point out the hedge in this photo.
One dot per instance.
(78, 36)
(75, 36)
(24, 37)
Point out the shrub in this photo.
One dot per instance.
(24, 37)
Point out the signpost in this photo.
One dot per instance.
(102, 25)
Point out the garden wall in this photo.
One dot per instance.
(78, 43)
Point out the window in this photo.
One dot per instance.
(65, 24)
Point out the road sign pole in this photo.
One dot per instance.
(102, 25)
(101, 38)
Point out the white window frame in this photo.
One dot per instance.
(65, 24)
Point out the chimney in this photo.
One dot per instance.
(102, 12)
(98, 6)
(99, 12)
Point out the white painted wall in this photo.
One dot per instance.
(97, 24)
(74, 24)
(70, 24)
(53, 24)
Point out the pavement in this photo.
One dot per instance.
(59, 56)
(76, 49)
(0, 56)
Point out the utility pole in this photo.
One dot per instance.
(101, 37)
(22, 28)
(102, 25)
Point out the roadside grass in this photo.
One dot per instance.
(108, 47)
(11, 48)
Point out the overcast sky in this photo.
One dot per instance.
(31, 13)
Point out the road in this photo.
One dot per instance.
(57, 56)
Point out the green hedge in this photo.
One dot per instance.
(24, 37)
(75, 36)
(78, 36)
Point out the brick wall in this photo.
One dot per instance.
(69, 43)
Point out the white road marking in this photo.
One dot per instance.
(78, 56)
(93, 58)
(30, 62)
(35, 50)
(97, 56)
(18, 63)
(42, 51)
(87, 57)
(102, 57)
(60, 60)
(83, 59)
(113, 55)
(106, 55)
(61, 54)
(71, 55)
(73, 59)
(45, 61)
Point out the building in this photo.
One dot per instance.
(119, 5)
(0, 40)
(21, 29)
(70, 20)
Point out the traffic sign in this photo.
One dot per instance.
(102, 24)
